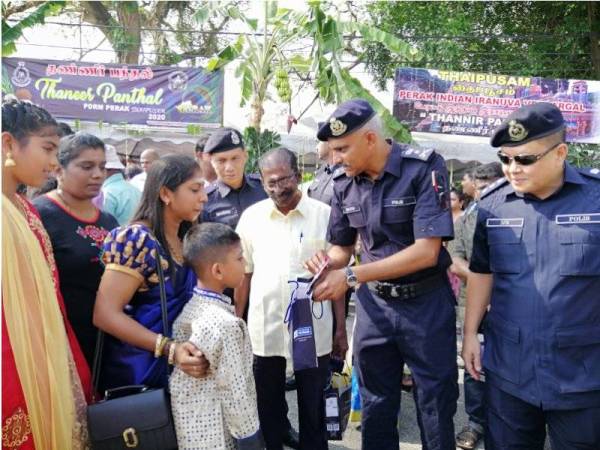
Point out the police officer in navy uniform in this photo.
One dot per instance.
(233, 191)
(322, 186)
(396, 198)
(536, 263)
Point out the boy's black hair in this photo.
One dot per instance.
(207, 243)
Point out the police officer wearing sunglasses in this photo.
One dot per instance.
(536, 263)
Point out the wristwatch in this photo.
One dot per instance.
(351, 279)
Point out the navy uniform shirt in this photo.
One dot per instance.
(226, 205)
(392, 211)
(543, 329)
(322, 186)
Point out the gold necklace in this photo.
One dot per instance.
(176, 254)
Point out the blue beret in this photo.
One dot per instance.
(347, 118)
(527, 124)
(222, 140)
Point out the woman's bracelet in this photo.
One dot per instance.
(157, 345)
(171, 358)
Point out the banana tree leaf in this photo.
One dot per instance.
(370, 33)
(354, 89)
(11, 34)
(226, 55)
(246, 85)
(300, 63)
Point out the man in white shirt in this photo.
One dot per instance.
(147, 157)
(278, 234)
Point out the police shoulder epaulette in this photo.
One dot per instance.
(420, 154)
(492, 187)
(212, 187)
(594, 172)
(339, 173)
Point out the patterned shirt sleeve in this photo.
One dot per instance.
(132, 250)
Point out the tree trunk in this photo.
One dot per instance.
(125, 35)
(594, 21)
(256, 113)
(129, 17)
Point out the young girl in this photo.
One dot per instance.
(44, 373)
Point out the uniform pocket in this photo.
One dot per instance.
(577, 360)
(502, 353)
(505, 249)
(579, 250)
(397, 213)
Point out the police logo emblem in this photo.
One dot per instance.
(516, 131)
(235, 138)
(594, 171)
(337, 126)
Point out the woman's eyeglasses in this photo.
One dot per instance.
(524, 160)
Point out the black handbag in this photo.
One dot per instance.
(132, 416)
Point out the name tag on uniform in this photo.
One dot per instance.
(567, 219)
(225, 212)
(516, 222)
(350, 209)
(401, 201)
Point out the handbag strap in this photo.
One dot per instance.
(100, 336)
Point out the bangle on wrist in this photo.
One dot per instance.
(157, 345)
(171, 357)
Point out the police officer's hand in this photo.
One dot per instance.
(315, 263)
(191, 360)
(331, 286)
(471, 354)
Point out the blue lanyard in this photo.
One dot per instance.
(210, 294)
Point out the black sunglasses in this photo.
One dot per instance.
(524, 160)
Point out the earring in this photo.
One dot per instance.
(9, 161)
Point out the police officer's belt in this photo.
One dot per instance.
(395, 291)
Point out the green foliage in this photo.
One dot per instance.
(193, 129)
(307, 177)
(257, 144)
(548, 39)
(266, 58)
(584, 155)
(38, 16)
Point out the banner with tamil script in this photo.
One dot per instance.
(438, 101)
(117, 93)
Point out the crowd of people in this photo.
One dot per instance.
(234, 255)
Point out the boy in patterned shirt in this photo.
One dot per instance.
(218, 411)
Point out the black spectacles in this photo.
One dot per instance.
(281, 182)
(524, 160)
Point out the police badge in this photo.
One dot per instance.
(235, 138)
(337, 126)
(516, 131)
